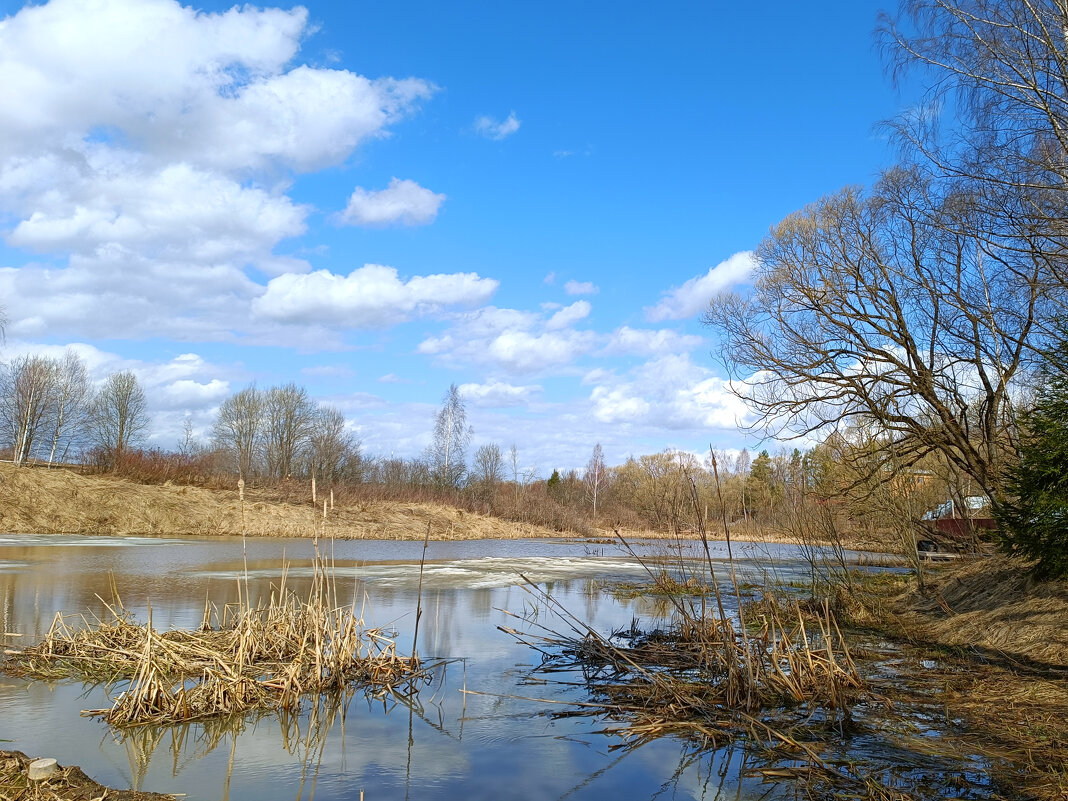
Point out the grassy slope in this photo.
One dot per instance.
(39, 501)
(999, 641)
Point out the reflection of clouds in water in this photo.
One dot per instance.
(510, 746)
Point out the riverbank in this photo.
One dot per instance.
(989, 649)
(59, 501)
(63, 501)
(66, 784)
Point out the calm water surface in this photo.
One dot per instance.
(495, 744)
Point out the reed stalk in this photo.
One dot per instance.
(242, 658)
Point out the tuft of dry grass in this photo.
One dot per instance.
(703, 675)
(242, 659)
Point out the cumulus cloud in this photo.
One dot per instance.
(569, 315)
(147, 149)
(493, 128)
(497, 394)
(372, 296)
(156, 77)
(646, 342)
(692, 297)
(669, 392)
(514, 341)
(404, 202)
(581, 288)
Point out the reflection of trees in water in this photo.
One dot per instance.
(304, 735)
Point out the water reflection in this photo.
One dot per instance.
(449, 744)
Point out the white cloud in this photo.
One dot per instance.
(173, 212)
(692, 297)
(522, 352)
(185, 393)
(569, 315)
(155, 77)
(402, 202)
(645, 342)
(493, 128)
(151, 147)
(497, 394)
(512, 340)
(669, 392)
(372, 296)
(581, 288)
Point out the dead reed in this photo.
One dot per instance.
(702, 675)
(241, 659)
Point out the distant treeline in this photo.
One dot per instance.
(278, 438)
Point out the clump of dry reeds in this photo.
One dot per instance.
(703, 675)
(243, 659)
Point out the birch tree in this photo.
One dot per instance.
(70, 409)
(451, 437)
(27, 398)
(596, 477)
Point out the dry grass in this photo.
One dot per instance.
(242, 659)
(702, 676)
(67, 784)
(995, 604)
(40, 501)
(998, 641)
(776, 687)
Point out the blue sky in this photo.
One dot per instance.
(532, 201)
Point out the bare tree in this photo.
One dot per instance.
(488, 470)
(189, 446)
(288, 416)
(596, 477)
(332, 449)
(1002, 69)
(27, 399)
(451, 436)
(70, 409)
(118, 415)
(239, 428)
(887, 310)
(489, 465)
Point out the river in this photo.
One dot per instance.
(498, 739)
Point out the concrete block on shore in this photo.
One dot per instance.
(41, 769)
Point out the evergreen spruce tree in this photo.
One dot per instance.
(1035, 524)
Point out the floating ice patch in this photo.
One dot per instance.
(481, 573)
(67, 540)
